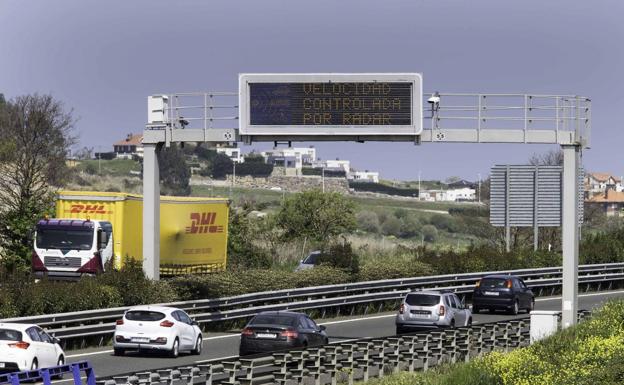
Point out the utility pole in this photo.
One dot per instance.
(419, 195)
(479, 191)
(323, 179)
(233, 177)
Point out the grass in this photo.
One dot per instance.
(115, 167)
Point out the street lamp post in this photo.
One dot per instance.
(479, 190)
(233, 177)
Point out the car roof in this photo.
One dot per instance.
(428, 292)
(500, 276)
(162, 309)
(288, 313)
(15, 326)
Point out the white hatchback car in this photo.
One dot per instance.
(157, 328)
(28, 347)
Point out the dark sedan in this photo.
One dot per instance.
(273, 330)
(506, 292)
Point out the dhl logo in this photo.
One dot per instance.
(87, 209)
(203, 223)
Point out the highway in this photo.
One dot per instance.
(224, 345)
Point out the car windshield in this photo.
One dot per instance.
(311, 259)
(422, 299)
(274, 319)
(144, 315)
(65, 239)
(493, 283)
(10, 335)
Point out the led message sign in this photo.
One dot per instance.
(331, 104)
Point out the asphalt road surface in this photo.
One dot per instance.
(225, 345)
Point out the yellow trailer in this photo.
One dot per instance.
(193, 231)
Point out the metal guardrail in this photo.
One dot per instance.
(101, 323)
(46, 375)
(347, 361)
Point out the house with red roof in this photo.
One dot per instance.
(130, 146)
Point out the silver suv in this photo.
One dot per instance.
(431, 309)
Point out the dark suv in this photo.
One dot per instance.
(505, 292)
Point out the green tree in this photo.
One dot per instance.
(392, 226)
(221, 166)
(316, 215)
(175, 174)
(430, 233)
(410, 227)
(36, 134)
(368, 221)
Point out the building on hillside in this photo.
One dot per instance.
(234, 153)
(364, 176)
(338, 164)
(460, 184)
(452, 195)
(611, 202)
(599, 182)
(290, 157)
(129, 147)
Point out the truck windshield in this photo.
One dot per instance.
(65, 239)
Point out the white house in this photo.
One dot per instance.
(451, 195)
(131, 145)
(233, 153)
(339, 164)
(598, 182)
(293, 157)
(365, 176)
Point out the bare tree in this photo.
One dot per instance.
(36, 133)
(550, 158)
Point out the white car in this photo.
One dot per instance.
(157, 328)
(28, 347)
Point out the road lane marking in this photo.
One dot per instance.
(352, 320)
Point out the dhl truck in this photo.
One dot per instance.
(93, 231)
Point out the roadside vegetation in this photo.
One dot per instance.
(589, 353)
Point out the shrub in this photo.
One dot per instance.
(368, 221)
(134, 287)
(398, 267)
(383, 189)
(430, 233)
(392, 226)
(410, 227)
(341, 256)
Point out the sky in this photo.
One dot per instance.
(103, 58)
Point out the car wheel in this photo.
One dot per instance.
(491, 310)
(175, 349)
(119, 351)
(325, 341)
(35, 364)
(531, 305)
(452, 324)
(515, 308)
(60, 362)
(469, 323)
(198, 346)
(399, 330)
(475, 309)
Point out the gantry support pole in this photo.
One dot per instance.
(151, 211)
(570, 234)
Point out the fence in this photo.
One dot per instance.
(347, 361)
(332, 300)
(46, 375)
